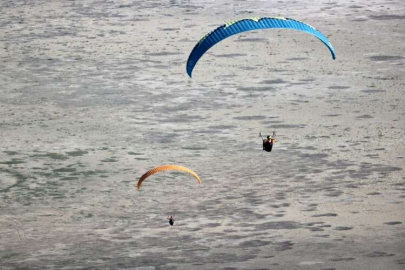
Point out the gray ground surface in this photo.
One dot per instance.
(94, 93)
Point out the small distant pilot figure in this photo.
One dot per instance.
(268, 143)
(171, 220)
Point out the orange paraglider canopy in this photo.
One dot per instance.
(167, 168)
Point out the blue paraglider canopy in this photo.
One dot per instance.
(236, 27)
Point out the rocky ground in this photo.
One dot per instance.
(94, 93)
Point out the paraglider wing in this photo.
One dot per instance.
(245, 25)
(167, 168)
